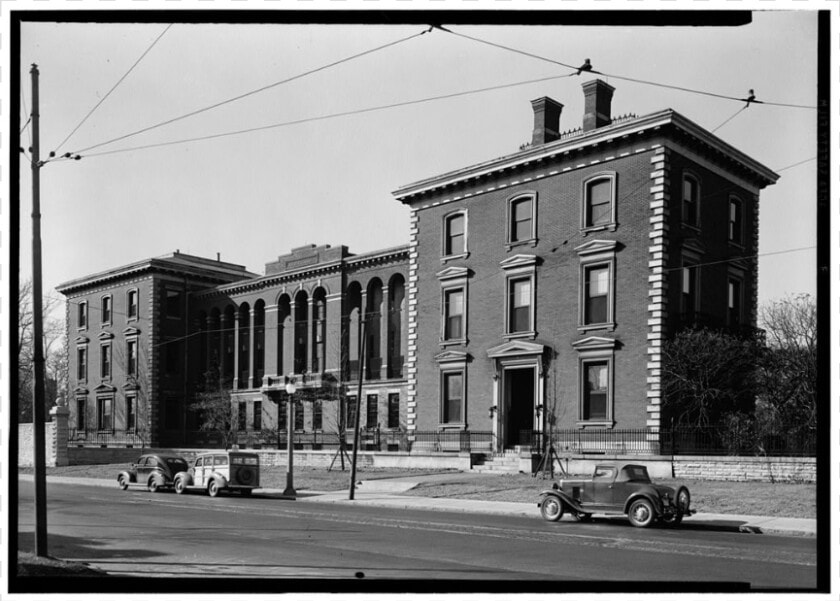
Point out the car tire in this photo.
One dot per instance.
(180, 486)
(213, 488)
(154, 486)
(683, 500)
(641, 513)
(123, 482)
(552, 508)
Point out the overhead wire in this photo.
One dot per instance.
(252, 92)
(115, 86)
(738, 112)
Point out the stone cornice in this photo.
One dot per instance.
(654, 122)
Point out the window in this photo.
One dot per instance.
(131, 304)
(282, 417)
(351, 412)
(599, 206)
(688, 303)
(131, 357)
(736, 225)
(81, 409)
(519, 305)
(105, 362)
(173, 304)
(172, 413)
(106, 310)
(172, 352)
(453, 320)
(317, 416)
(394, 410)
(452, 397)
(691, 201)
(455, 235)
(734, 302)
(372, 420)
(82, 315)
(298, 415)
(241, 422)
(596, 294)
(257, 415)
(596, 390)
(130, 413)
(81, 364)
(105, 413)
(521, 219)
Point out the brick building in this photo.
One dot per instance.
(545, 282)
(536, 291)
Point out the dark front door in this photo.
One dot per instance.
(519, 405)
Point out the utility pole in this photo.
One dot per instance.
(362, 347)
(38, 409)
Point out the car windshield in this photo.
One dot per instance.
(176, 463)
(635, 473)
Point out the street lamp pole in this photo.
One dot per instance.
(290, 425)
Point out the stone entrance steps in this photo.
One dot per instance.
(498, 463)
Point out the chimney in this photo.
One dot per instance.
(546, 120)
(597, 103)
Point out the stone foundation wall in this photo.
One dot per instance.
(747, 469)
(26, 444)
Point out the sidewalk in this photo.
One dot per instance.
(387, 493)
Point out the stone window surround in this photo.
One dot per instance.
(612, 225)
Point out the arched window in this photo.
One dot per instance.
(244, 344)
(455, 234)
(229, 346)
(301, 326)
(599, 210)
(373, 336)
(521, 219)
(259, 342)
(354, 310)
(396, 302)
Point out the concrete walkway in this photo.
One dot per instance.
(386, 492)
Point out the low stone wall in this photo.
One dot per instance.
(747, 469)
(26, 444)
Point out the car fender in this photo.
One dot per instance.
(221, 481)
(185, 476)
(654, 500)
(562, 496)
(127, 475)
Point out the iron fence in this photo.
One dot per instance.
(105, 438)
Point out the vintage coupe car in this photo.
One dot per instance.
(221, 470)
(618, 489)
(154, 471)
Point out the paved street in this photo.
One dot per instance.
(167, 535)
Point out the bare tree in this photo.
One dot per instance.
(214, 409)
(789, 367)
(55, 352)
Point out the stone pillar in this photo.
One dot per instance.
(223, 326)
(310, 335)
(60, 416)
(252, 347)
(236, 334)
(271, 342)
(384, 328)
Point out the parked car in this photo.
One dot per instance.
(155, 471)
(617, 488)
(221, 470)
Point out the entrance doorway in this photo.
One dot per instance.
(519, 392)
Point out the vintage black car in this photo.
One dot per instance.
(617, 489)
(153, 471)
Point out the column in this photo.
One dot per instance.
(384, 328)
(310, 335)
(223, 326)
(252, 345)
(271, 341)
(236, 333)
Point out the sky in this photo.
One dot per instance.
(254, 196)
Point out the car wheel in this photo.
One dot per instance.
(583, 517)
(153, 485)
(552, 508)
(180, 486)
(213, 488)
(683, 500)
(123, 482)
(641, 513)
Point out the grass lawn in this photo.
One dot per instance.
(742, 498)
